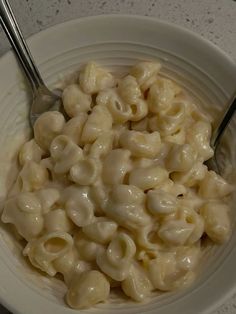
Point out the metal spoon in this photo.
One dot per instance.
(43, 98)
(214, 162)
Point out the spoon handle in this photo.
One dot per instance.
(219, 130)
(13, 32)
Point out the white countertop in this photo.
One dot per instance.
(212, 19)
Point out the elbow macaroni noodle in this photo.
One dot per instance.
(118, 195)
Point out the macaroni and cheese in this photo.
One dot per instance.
(118, 195)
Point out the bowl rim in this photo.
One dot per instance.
(38, 35)
(197, 37)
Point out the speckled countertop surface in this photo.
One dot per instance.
(212, 19)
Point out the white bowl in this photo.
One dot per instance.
(117, 42)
